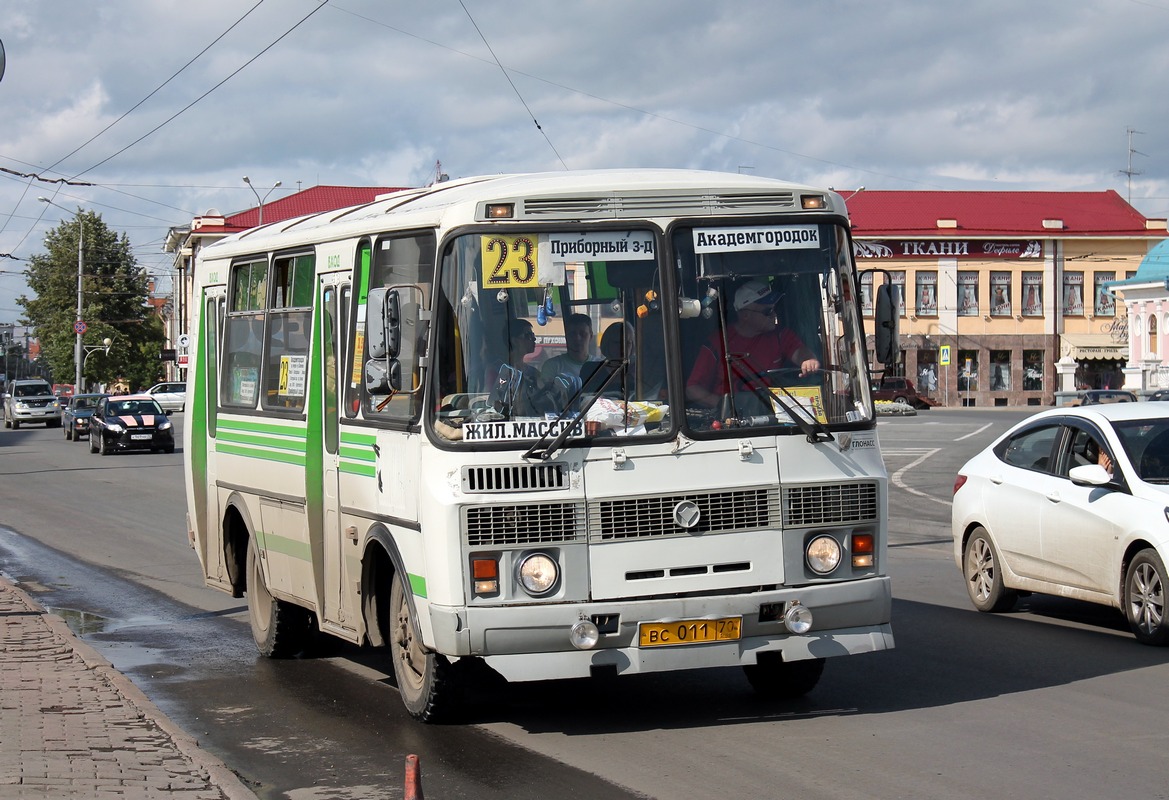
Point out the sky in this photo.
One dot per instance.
(162, 106)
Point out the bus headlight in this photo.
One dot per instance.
(538, 574)
(823, 554)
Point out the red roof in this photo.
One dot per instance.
(992, 214)
(310, 201)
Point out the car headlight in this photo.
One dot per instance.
(115, 427)
(164, 426)
(538, 574)
(823, 554)
(21, 404)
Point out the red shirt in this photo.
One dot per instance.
(756, 355)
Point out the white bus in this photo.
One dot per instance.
(382, 444)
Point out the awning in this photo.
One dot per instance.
(1093, 347)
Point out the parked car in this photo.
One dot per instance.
(1071, 502)
(171, 396)
(1160, 394)
(75, 415)
(1093, 397)
(896, 389)
(31, 400)
(130, 422)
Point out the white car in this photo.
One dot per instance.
(1041, 510)
(171, 396)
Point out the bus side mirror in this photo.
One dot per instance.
(887, 321)
(383, 323)
(383, 377)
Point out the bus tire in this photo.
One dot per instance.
(280, 629)
(424, 677)
(776, 679)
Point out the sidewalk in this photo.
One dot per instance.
(71, 726)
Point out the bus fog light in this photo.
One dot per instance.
(823, 554)
(538, 574)
(798, 618)
(584, 635)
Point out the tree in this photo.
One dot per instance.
(114, 293)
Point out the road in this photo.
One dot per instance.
(1054, 700)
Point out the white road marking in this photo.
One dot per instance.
(899, 483)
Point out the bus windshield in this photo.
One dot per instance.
(542, 331)
(778, 339)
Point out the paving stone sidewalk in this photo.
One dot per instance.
(71, 726)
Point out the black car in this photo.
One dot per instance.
(130, 422)
(1095, 396)
(1160, 394)
(76, 413)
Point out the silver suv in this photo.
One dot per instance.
(31, 401)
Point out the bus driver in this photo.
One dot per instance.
(757, 341)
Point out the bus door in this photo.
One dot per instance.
(330, 342)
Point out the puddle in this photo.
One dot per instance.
(82, 623)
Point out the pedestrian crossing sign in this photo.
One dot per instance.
(944, 355)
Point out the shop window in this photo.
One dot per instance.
(967, 371)
(927, 371)
(968, 294)
(1105, 305)
(1032, 294)
(927, 293)
(1000, 294)
(867, 294)
(1033, 370)
(1073, 294)
(899, 282)
(1000, 370)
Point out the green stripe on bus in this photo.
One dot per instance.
(283, 545)
(262, 441)
(367, 470)
(359, 453)
(366, 439)
(262, 455)
(417, 584)
(295, 431)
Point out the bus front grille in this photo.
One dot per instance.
(650, 517)
(829, 504)
(513, 478)
(522, 524)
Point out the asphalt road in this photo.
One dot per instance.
(1054, 700)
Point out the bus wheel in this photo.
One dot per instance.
(777, 679)
(423, 677)
(280, 629)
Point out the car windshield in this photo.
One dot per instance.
(1146, 442)
(121, 407)
(31, 390)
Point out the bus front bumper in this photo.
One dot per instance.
(528, 643)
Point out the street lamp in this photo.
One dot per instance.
(259, 199)
(78, 325)
(90, 349)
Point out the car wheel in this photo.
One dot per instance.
(103, 448)
(902, 399)
(424, 677)
(7, 422)
(1144, 598)
(984, 579)
(169, 449)
(69, 432)
(93, 441)
(776, 679)
(280, 629)
(16, 424)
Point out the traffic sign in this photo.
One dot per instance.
(184, 340)
(79, 327)
(944, 355)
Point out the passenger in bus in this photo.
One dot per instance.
(758, 345)
(578, 337)
(515, 385)
(616, 344)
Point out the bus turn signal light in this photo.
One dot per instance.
(862, 549)
(485, 571)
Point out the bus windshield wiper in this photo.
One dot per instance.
(808, 425)
(553, 446)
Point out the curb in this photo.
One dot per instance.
(220, 774)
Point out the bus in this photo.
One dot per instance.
(377, 450)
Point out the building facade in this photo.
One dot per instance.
(1005, 295)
